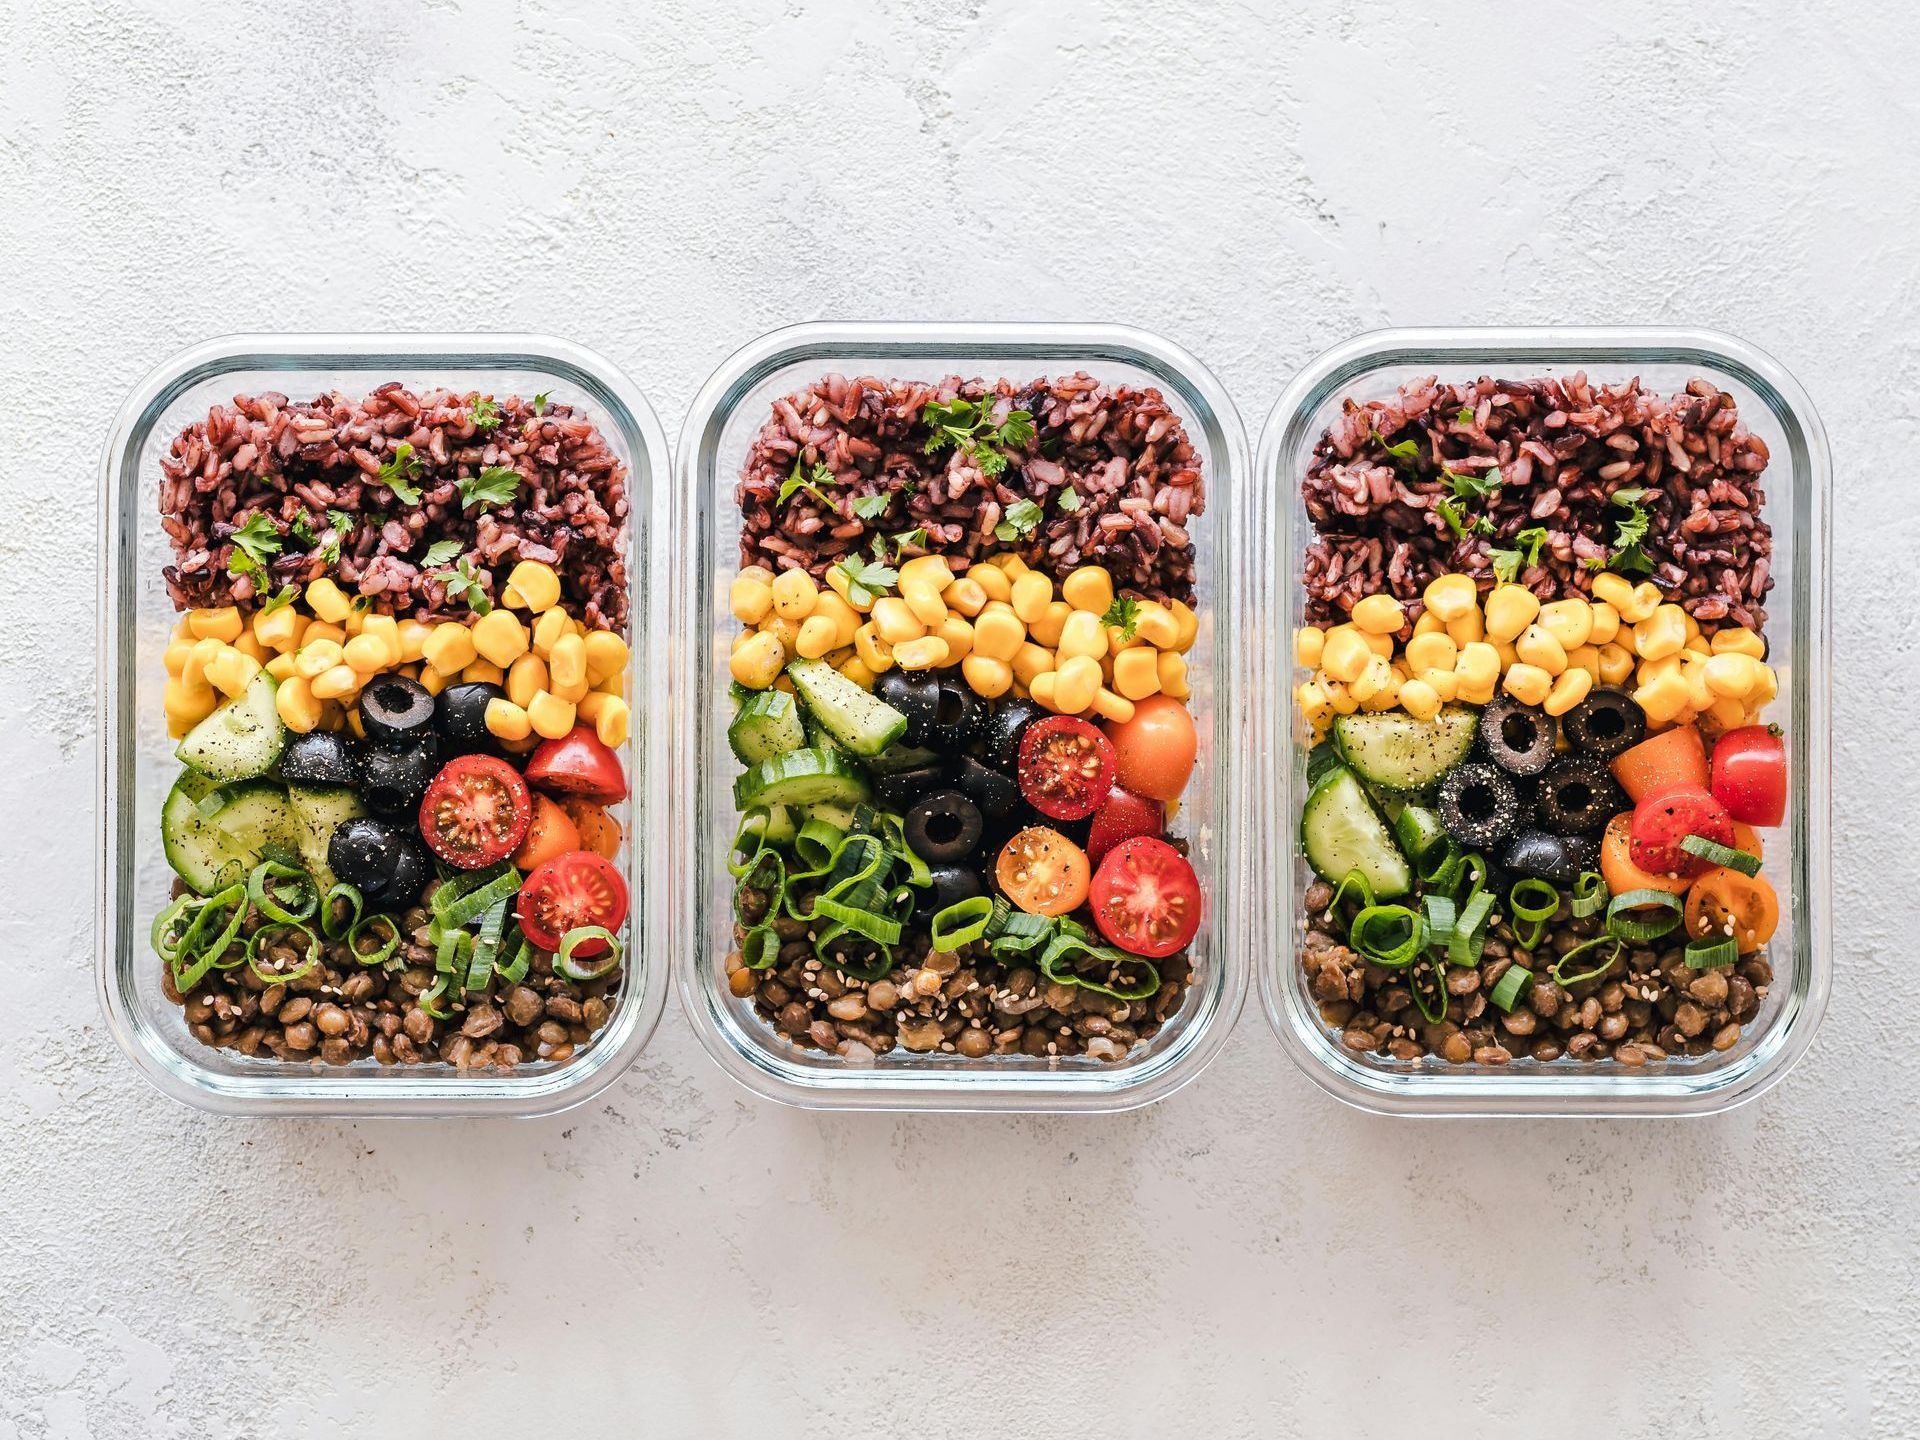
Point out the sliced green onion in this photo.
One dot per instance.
(430, 999)
(760, 947)
(565, 964)
(1715, 853)
(1712, 954)
(1545, 904)
(165, 943)
(341, 891)
(1356, 880)
(1440, 915)
(215, 926)
(752, 830)
(480, 967)
(268, 933)
(817, 844)
(519, 960)
(270, 901)
(1389, 935)
(1559, 975)
(864, 921)
(1430, 999)
(823, 948)
(1589, 894)
(1638, 931)
(484, 889)
(1475, 864)
(961, 923)
(1014, 931)
(1075, 942)
(1506, 993)
(777, 884)
(1439, 868)
(1469, 931)
(381, 954)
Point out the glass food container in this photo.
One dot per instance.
(724, 418)
(1796, 483)
(136, 756)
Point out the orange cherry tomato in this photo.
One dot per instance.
(551, 834)
(1043, 872)
(599, 831)
(1725, 902)
(1746, 838)
(1673, 758)
(1155, 749)
(1617, 867)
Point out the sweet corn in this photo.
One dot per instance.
(386, 630)
(1154, 623)
(1509, 657)
(412, 636)
(548, 631)
(1537, 646)
(925, 653)
(567, 664)
(795, 594)
(818, 636)
(1510, 610)
(1451, 596)
(1698, 644)
(1738, 640)
(483, 672)
(174, 657)
(1730, 674)
(249, 644)
(499, 637)
(1662, 633)
(231, 671)
(187, 703)
(613, 722)
(1377, 679)
(994, 582)
(1663, 698)
(786, 631)
(1171, 667)
(1654, 669)
(1083, 634)
(874, 652)
(280, 667)
(1088, 588)
(200, 654)
(930, 570)
(1614, 590)
(219, 624)
(1309, 643)
(1046, 630)
(894, 622)
(1011, 563)
(830, 606)
(1339, 698)
(1726, 714)
(1528, 684)
(924, 601)
(1429, 624)
(964, 595)
(987, 676)
(1345, 654)
(1616, 662)
(750, 596)
(1379, 614)
(325, 600)
(1032, 593)
(1186, 625)
(279, 628)
(1587, 658)
(997, 632)
(855, 669)
(1313, 702)
(367, 654)
(1568, 691)
(1076, 682)
(432, 681)
(449, 649)
(1766, 686)
(507, 721)
(539, 587)
(1568, 621)
(1041, 690)
(1467, 629)
(550, 717)
(1030, 660)
(526, 678)
(336, 684)
(1444, 683)
(316, 657)
(1605, 623)
(1644, 601)
(1478, 666)
(1136, 672)
(838, 583)
(1420, 700)
(1432, 652)
(959, 637)
(299, 709)
(758, 663)
(1693, 626)
(1109, 706)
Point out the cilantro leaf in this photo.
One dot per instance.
(1472, 483)
(540, 402)
(1465, 417)
(303, 530)
(463, 584)
(903, 538)
(963, 424)
(281, 600)
(871, 507)
(342, 525)
(1407, 449)
(494, 485)
(1020, 520)
(486, 414)
(1507, 564)
(1123, 615)
(254, 545)
(1016, 431)
(398, 472)
(868, 580)
(1451, 513)
(810, 483)
(1628, 557)
(440, 553)
(1068, 501)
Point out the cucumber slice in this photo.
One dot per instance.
(240, 740)
(1341, 831)
(768, 724)
(318, 811)
(1393, 750)
(232, 840)
(801, 777)
(781, 825)
(858, 719)
(903, 757)
(1418, 830)
(834, 812)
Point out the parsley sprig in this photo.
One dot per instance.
(342, 524)
(485, 414)
(1020, 520)
(1123, 615)
(254, 545)
(1507, 564)
(494, 485)
(399, 471)
(1471, 483)
(440, 553)
(867, 580)
(965, 425)
(811, 482)
(1628, 557)
(872, 507)
(1406, 451)
(463, 583)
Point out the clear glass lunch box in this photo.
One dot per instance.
(720, 427)
(136, 757)
(1796, 483)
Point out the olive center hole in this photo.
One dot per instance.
(1479, 802)
(1519, 732)
(1576, 795)
(1606, 723)
(949, 707)
(943, 828)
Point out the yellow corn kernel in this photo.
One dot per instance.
(507, 721)
(1381, 645)
(795, 594)
(200, 654)
(1509, 657)
(1693, 670)
(997, 631)
(1429, 624)
(855, 669)
(1186, 626)
(1693, 626)
(356, 620)
(1568, 691)
(280, 667)
(1011, 563)
(187, 703)
(222, 624)
(1616, 662)
(175, 656)
(1032, 593)
(1345, 654)
(1698, 645)
(1432, 652)
(1538, 646)
(413, 636)
(1661, 634)
(1154, 623)
(930, 570)
(1510, 610)
(366, 654)
(894, 622)
(567, 664)
(386, 630)
(818, 636)
(924, 601)
(278, 628)
(1766, 686)
(1451, 596)
(526, 678)
(1478, 665)
(449, 649)
(1028, 661)
(838, 582)
(183, 629)
(750, 596)
(613, 722)
(1312, 700)
(298, 707)
(1377, 678)
(994, 582)
(1444, 683)
(987, 676)
(432, 681)
(1136, 672)
(1171, 667)
(1083, 634)
(964, 595)
(758, 663)
(249, 645)
(1663, 698)
(1468, 629)
(1653, 669)
(316, 657)
(589, 706)
(1309, 642)
(1041, 690)
(1614, 590)
(499, 637)
(1046, 630)
(1075, 684)
(1088, 588)
(959, 637)
(1339, 698)
(537, 586)
(1379, 614)
(1645, 599)
(548, 631)
(1109, 706)
(1605, 623)
(337, 683)
(1739, 640)
(1420, 700)
(550, 716)
(1587, 658)
(231, 671)
(1723, 715)
(326, 601)
(607, 654)
(874, 652)
(1568, 621)
(1528, 684)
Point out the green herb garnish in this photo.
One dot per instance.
(1406, 450)
(494, 485)
(1483, 482)
(485, 414)
(810, 483)
(1123, 615)
(302, 529)
(872, 507)
(280, 601)
(868, 580)
(1465, 417)
(1020, 520)
(462, 583)
(1507, 564)
(964, 424)
(1451, 513)
(439, 553)
(540, 403)
(1068, 501)
(254, 545)
(399, 471)
(903, 538)
(1628, 556)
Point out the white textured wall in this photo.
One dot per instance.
(662, 182)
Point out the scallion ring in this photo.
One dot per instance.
(1388, 935)
(1559, 975)
(1506, 992)
(1589, 894)
(1469, 931)
(1440, 914)
(961, 923)
(502, 882)
(266, 935)
(1715, 853)
(565, 964)
(431, 997)
(365, 926)
(1637, 930)
(1355, 880)
(338, 930)
(1433, 1010)
(760, 947)
(263, 890)
(519, 960)
(480, 964)
(165, 943)
(1712, 954)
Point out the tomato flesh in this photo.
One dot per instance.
(1662, 820)
(1043, 872)
(1617, 867)
(1673, 758)
(578, 764)
(1146, 898)
(1750, 774)
(1066, 767)
(578, 888)
(476, 812)
(599, 831)
(1123, 816)
(1725, 902)
(551, 834)
(1155, 749)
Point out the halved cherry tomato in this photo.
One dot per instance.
(599, 831)
(1674, 757)
(1662, 820)
(1066, 767)
(1617, 867)
(578, 764)
(1746, 838)
(1750, 774)
(1155, 749)
(578, 888)
(1123, 816)
(551, 834)
(1043, 872)
(476, 811)
(1146, 898)
(1725, 902)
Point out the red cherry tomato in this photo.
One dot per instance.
(1123, 816)
(1146, 898)
(578, 764)
(578, 888)
(1066, 767)
(1750, 774)
(476, 812)
(1664, 819)
(1155, 749)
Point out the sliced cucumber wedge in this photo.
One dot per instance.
(801, 777)
(232, 839)
(768, 724)
(856, 718)
(241, 739)
(1394, 751)
(1341, 831)
(318, 811)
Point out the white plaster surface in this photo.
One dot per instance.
(662, 181)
